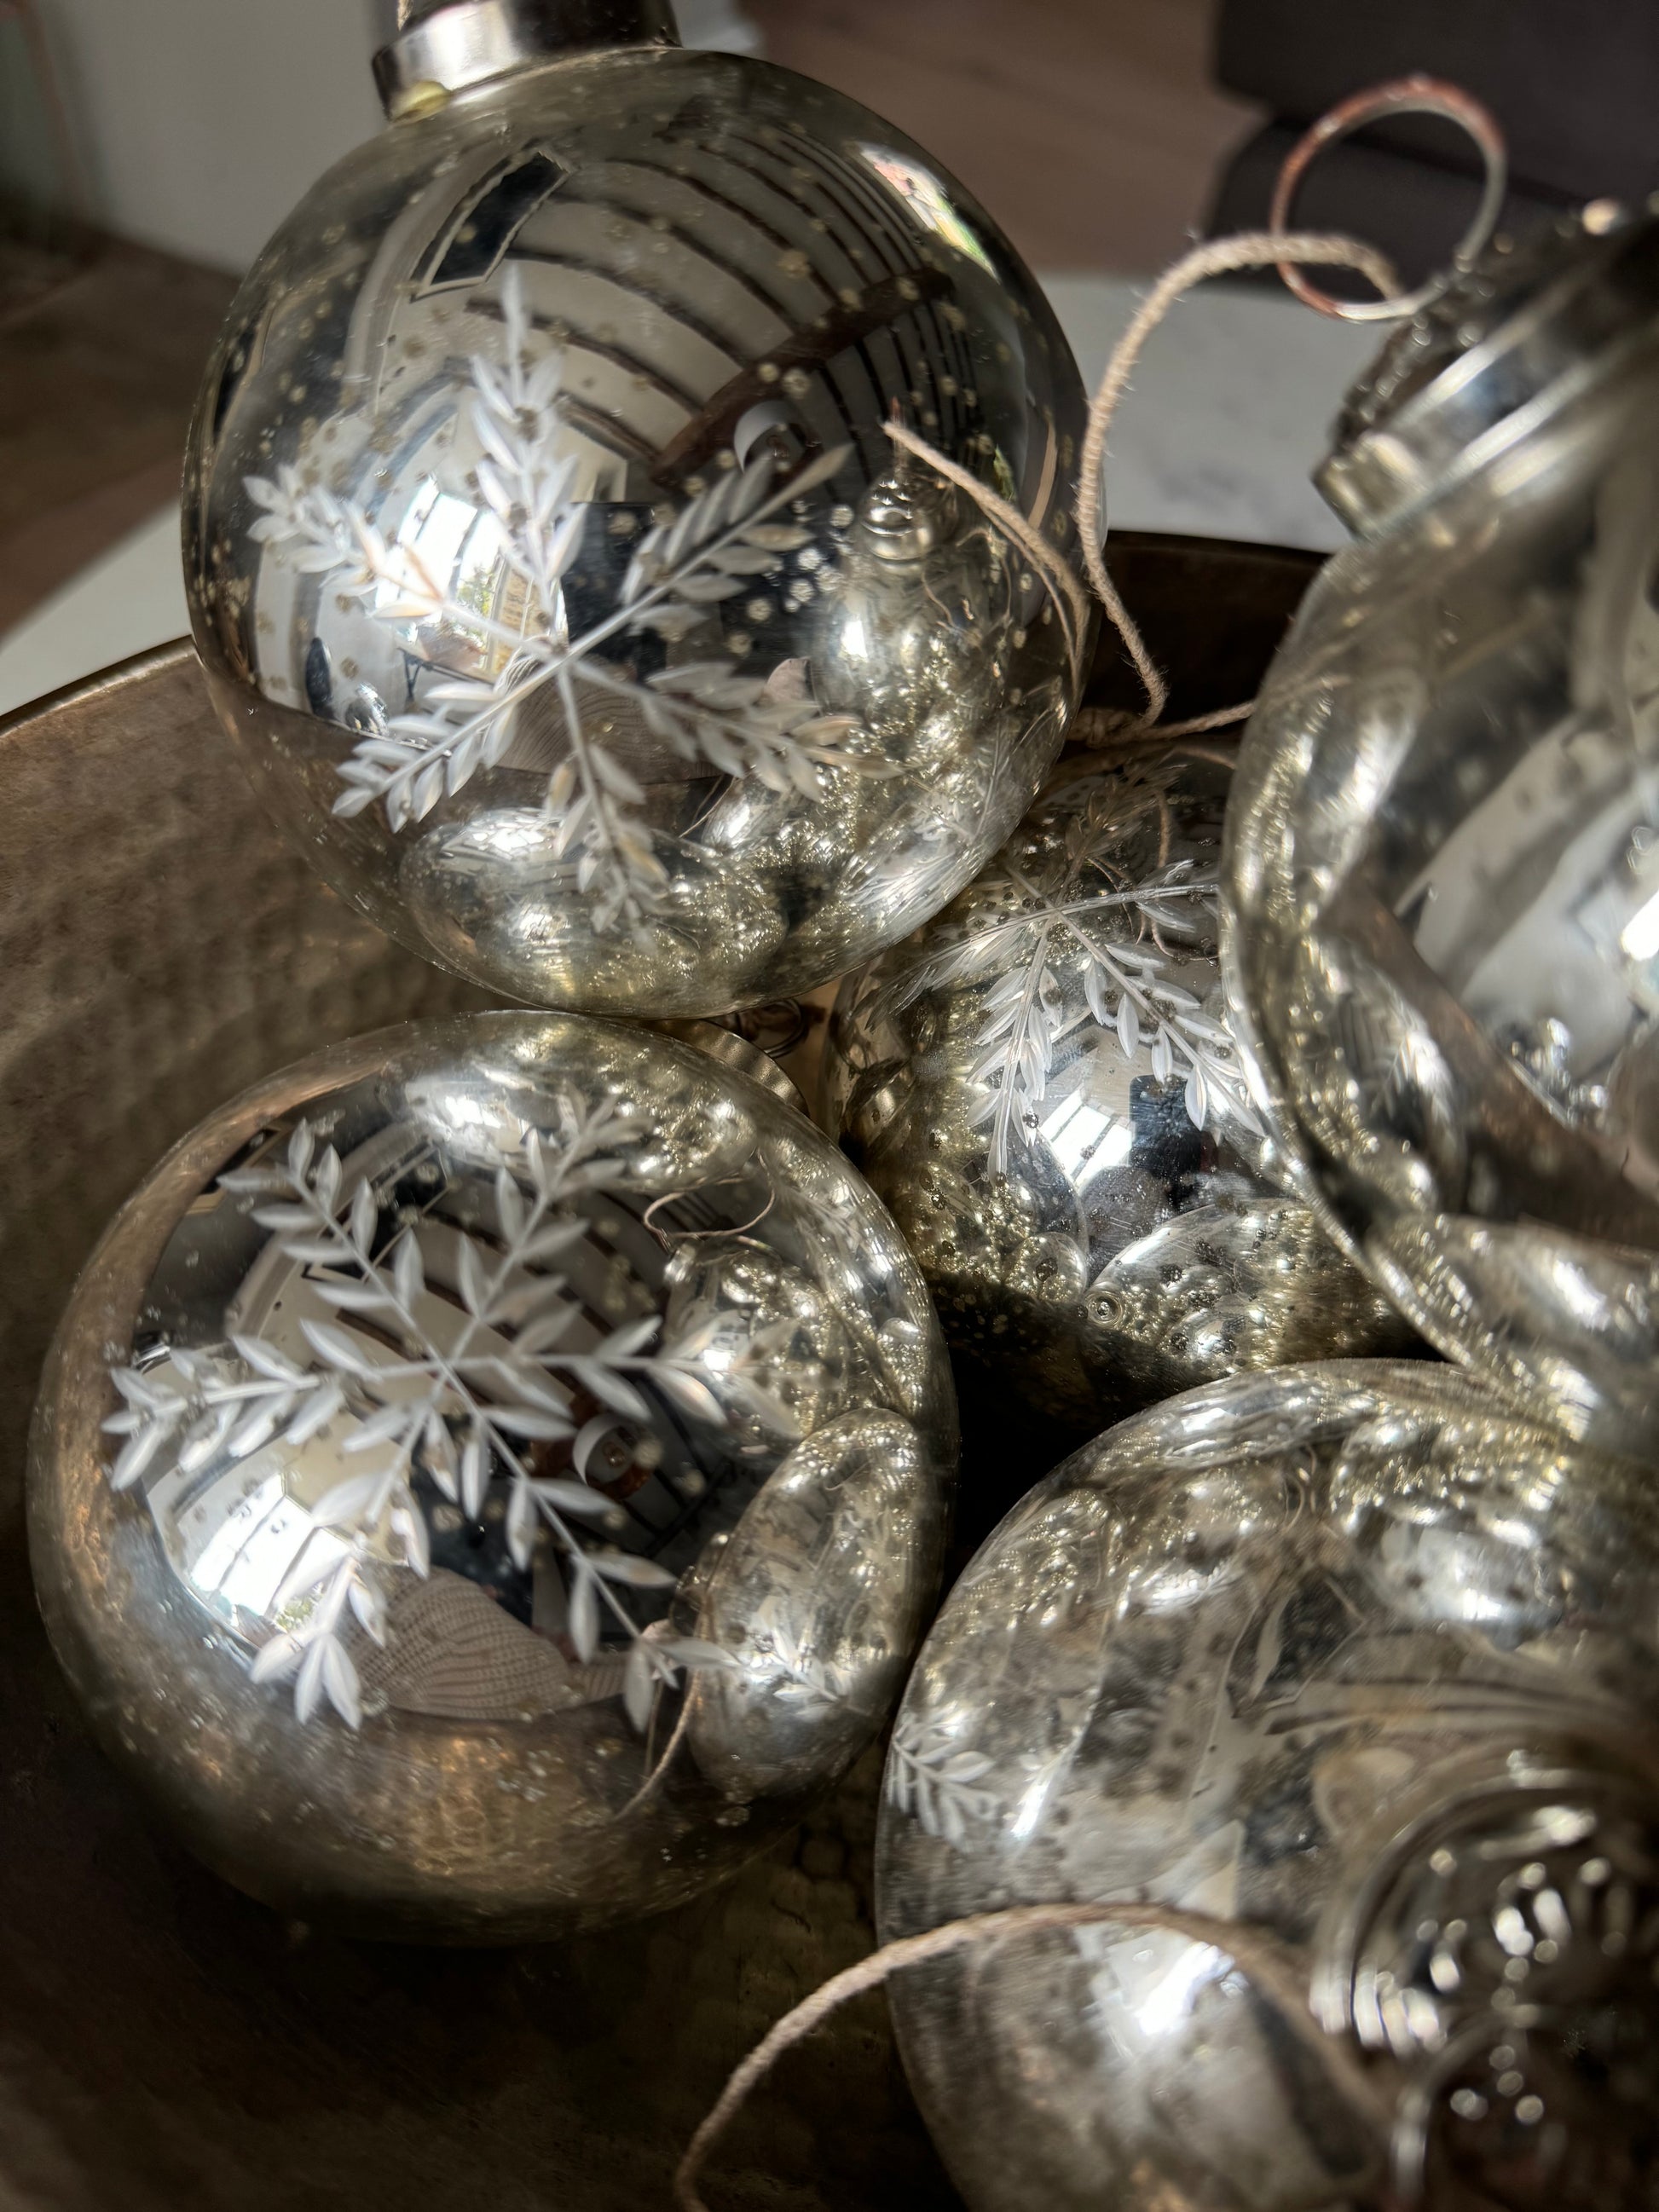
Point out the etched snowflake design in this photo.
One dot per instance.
(1104, 931)
(461, 1412)
(931, 1775)
(738, 528)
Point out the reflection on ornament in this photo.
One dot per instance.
(528, 1479)
(549, 556)
(1442, 858)
(1043, 1088)
(1349, 1656)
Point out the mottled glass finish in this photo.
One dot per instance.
(1360, 1670)
(524, 1484)
(1042, 1086)
(553, 568)
(1442, 868)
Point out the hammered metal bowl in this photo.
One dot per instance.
(163, 2041)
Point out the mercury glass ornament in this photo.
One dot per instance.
(546, 549)
(1042, 1087)
(1443, 855)
(1360, 1669)
(492, 1476)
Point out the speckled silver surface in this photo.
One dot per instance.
(1359, 1667)
(1442, 864)
(552, 562)
(143, 886)
(137, 902)
(1043, 1087)
(525, 1480)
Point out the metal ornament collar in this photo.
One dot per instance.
(443, 49)
(1519, 335)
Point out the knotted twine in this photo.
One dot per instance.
(1250, 1951)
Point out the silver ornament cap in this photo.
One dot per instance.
(445, 47)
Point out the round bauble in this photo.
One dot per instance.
(546, 549)
(491, 1476)
(1042, 1087)
(1442, 860)
(1360, 1671)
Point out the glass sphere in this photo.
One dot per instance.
(551, 561)
(1359, 1670)
(1042, 1087)
(522, 1480)
(1443, 855)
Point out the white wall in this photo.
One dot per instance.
(201, 122)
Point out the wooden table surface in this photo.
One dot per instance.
(1090, 128)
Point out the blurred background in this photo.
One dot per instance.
(148, 147)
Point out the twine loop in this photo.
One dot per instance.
(1249, 249)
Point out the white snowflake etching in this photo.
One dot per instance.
(460, 1412)
(1095, 928)
(931, 1775)
(739, 528)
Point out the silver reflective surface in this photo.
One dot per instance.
(445, 45)
(1346, 1660)
(527, 1477)
(1042, 1087)
(551, 563)
(1443, 856)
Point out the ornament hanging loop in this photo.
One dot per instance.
(1405, 95)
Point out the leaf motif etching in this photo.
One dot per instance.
(464, 1405)
(931, 1774)
(1083, 941)
(732, 534)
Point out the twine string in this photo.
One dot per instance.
(1247, 249)
(1071, 600)
(1250, 1950)
(1220, 257)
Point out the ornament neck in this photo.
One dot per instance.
(443, 46)
(1522, 333)
(737, 1053)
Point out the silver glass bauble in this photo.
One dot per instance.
(1042, 1087)
(1360, 1670)
(1442, 858)
(548, 553)
(491, 1476)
